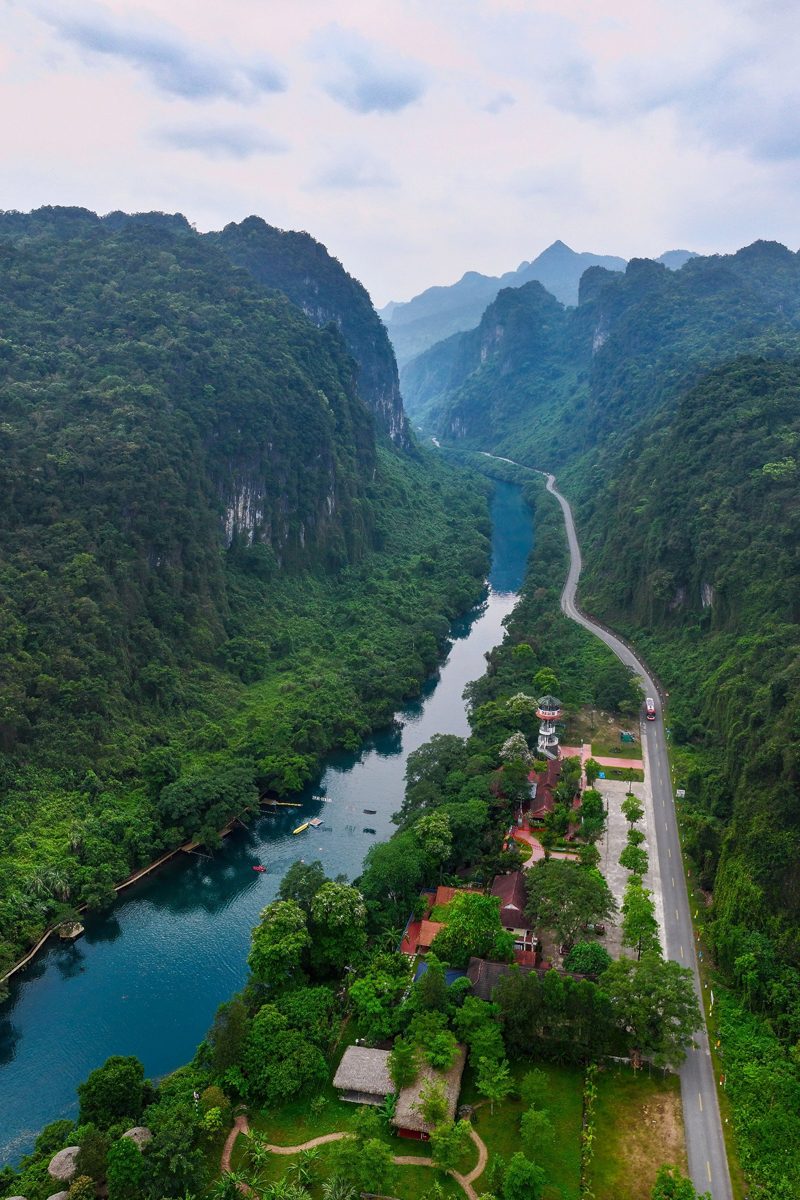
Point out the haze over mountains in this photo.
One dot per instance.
(439, 312)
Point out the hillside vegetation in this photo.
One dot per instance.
(211, 571)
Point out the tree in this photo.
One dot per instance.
(124, 1170)
(545, 682)
(632, 809)
(474, 930)
(587, 958)
(278, 942)
(564, 896)
(278, 1062)
(369, 1164)
(653, 1001)
(174, 1163)
(304, 1168)
(227, 1035)
(403, 1064)
(302, 882)
(112, 1091)
(434, 835)
(91, 1158)
(449, 1141)
(440, 1050)
(524, 1180)
(592, 771)
(339, 919)
(629, 776)
(589, 855)
(536, 1130)
(432, 1103)
(494, 1080)
(535, 1088)
(83, 1187)
(635, 860)
(671, 1185)
(374, 998)
(639, 924)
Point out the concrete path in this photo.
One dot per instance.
(705, 1144)
(317, 1141)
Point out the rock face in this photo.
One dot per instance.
(62, 1165)
(140, 1134)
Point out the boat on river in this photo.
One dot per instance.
(259, 868)
(300, 828)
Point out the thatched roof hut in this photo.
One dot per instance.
(363, 1075)
(407, 1117)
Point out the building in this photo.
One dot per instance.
(511, 891)
(407, 1118)
(548, 712)
(363, 1076)
(543, 800)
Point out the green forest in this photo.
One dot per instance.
(213, 568)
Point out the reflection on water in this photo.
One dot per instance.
(147, 977)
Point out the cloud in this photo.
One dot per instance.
(498, 103)
(173, 63)
(221, 141)
(365, 76)
(355, 170)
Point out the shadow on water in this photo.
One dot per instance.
(148, 975)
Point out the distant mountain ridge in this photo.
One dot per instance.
(439, 312)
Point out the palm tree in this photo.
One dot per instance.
(303, 1169)
(337, 1188)
(229, 1186)
(49, 882)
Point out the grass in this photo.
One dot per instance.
(525, 849)
(619, 773)
(639, 1126)
(500, 1131)
(616, 750)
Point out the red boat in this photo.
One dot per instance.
(259, 868)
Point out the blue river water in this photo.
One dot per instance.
(148, 975)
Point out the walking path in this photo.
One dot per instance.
(240, 1125)
(705, 1144)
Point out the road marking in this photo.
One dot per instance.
(708, 1168)
(681, 951)
(700, 1098)
(669, 852)
(673, 881)
(665, 824)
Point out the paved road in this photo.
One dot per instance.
(708, 1163)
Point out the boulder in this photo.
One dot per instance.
(16, 1198)
(58, 1196)
(140, 1134)
(62, 1165)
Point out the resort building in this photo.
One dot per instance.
(363, 1076)
(407, 1116)
(548, 712)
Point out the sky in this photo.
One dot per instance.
(417, 139)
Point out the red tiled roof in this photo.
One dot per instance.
(428, 932)
(444, 895)
(513, 898)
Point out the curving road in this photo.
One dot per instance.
(708, 1163)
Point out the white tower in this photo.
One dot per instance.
(548, 712)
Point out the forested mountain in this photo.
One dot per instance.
(292, 263)
(439, 312)
(303, 270)
(211, 570)
(557, 381)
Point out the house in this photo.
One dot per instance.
(363, 1076)
(543, 801)
(485, 976)
(407, 1118)
(428, 931)
(513, 897)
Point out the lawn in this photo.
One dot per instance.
(638, 1126)
(616, 750)
(619, 773)
(500, 1131)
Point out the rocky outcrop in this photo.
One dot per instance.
(62, 1165)
(140, 1134)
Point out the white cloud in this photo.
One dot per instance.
(355, 170)
(174, 63)
(220, 141)
(366, 76)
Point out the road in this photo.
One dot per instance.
(708, 1163)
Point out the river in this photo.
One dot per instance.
(148, 975)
